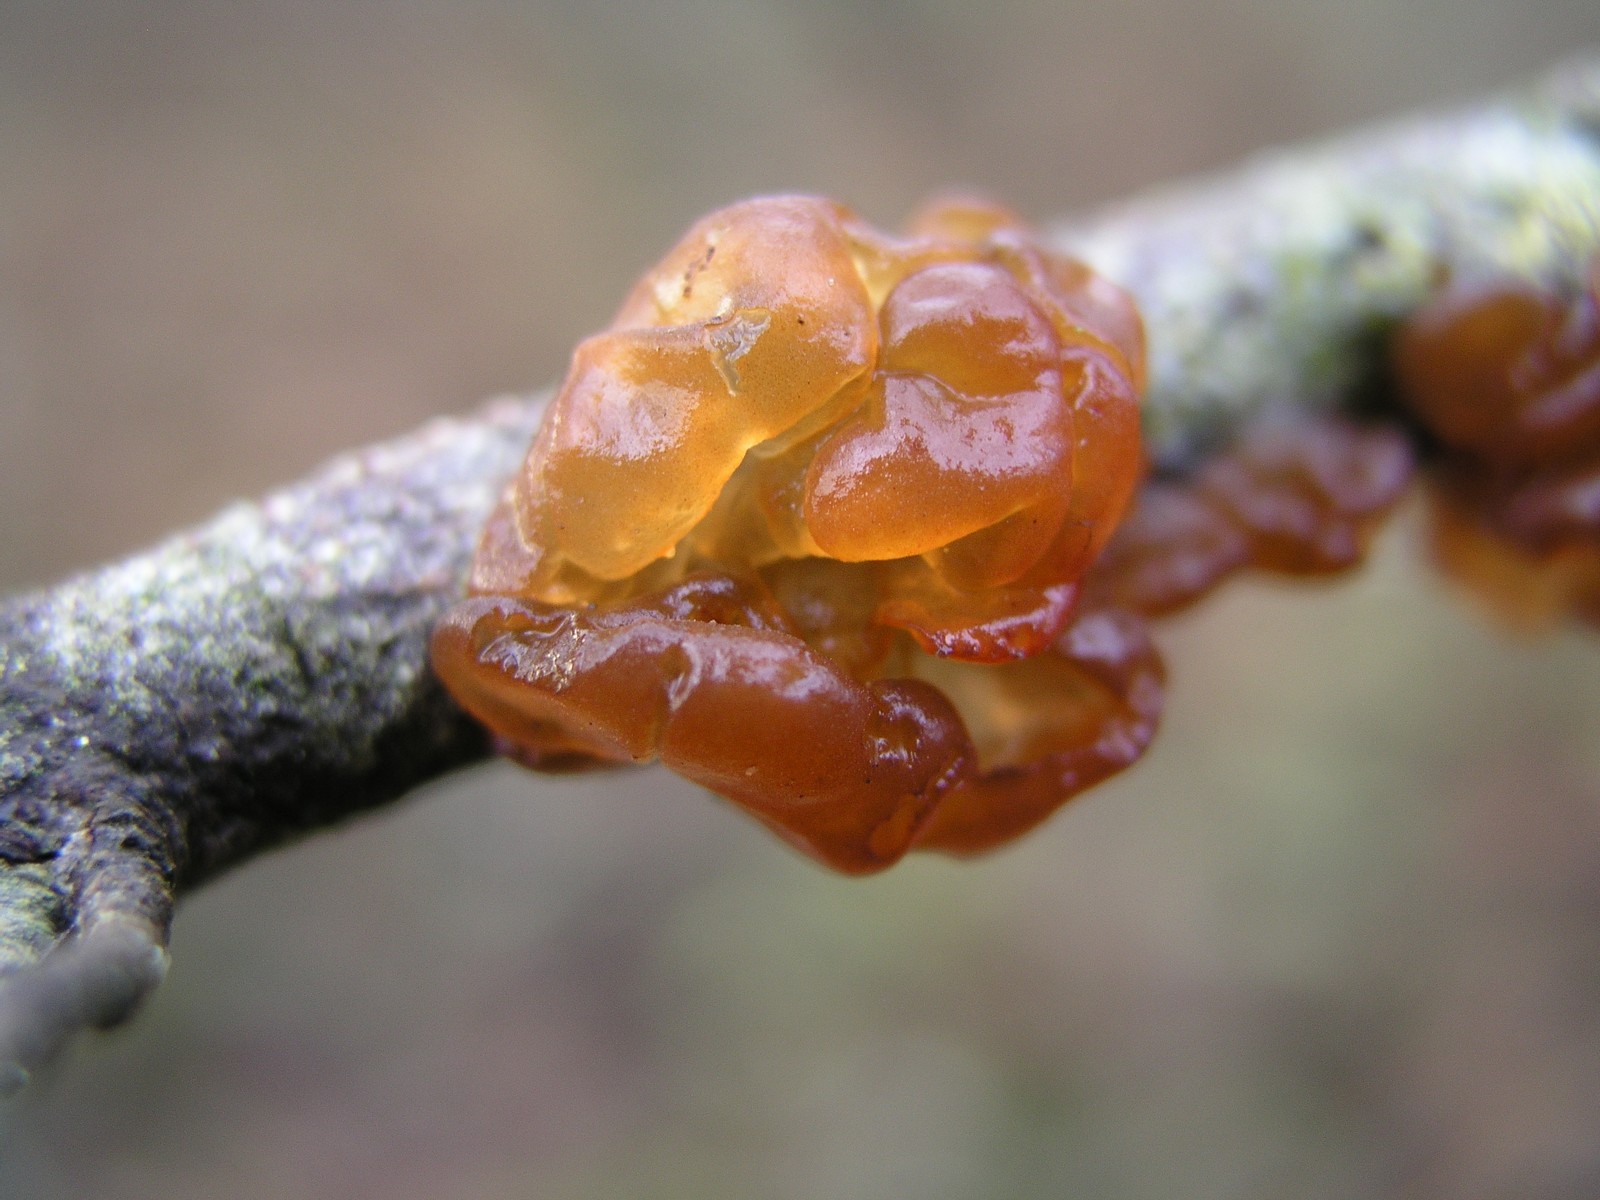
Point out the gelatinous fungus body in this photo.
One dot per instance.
(810, 522)
(1508, 379)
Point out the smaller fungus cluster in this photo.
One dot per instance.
(1295, 494)
(1507, 378)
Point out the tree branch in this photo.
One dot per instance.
(265, 675)
(1281, 281)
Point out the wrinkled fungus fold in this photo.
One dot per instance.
(1297, 494)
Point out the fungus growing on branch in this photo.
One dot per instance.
(809, 524)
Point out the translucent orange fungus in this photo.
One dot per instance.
(1295, 494)
(809, 523)
(1508, 379)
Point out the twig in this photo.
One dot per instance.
(265, 675)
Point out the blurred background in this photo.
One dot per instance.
(1338, 936)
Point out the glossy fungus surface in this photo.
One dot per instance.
(1508, 379)
(809, 523)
